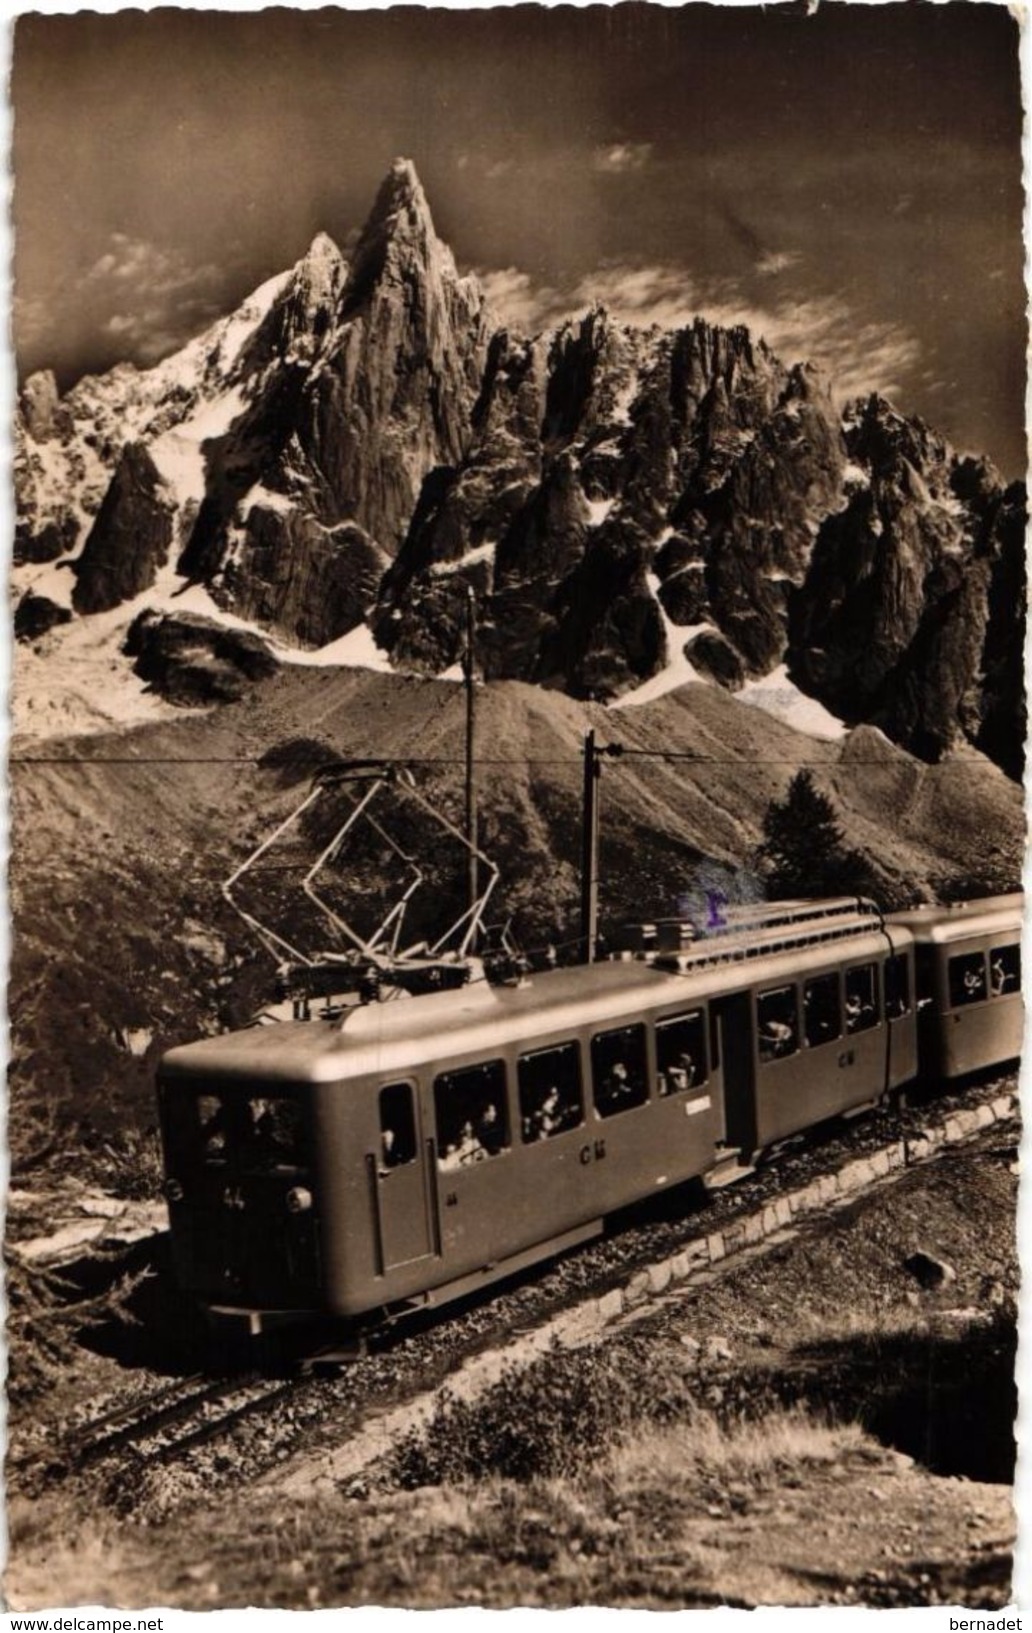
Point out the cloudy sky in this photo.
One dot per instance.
(849, 183)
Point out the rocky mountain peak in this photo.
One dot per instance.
(300, 321)
(400, 190)
(399, 240)
(879, 435)
(363, 444)
(38, 401)
(322, 268)
(807, 383)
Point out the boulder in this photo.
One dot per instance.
(929, 1271)
(45, 539)
(35, 615)
(190, 660)
(714, 656)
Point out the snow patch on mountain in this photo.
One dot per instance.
(264, 499)
(482, 552)
(179, 453)
(679, 671)
(598, 510)
(776, 695)
(355, 650)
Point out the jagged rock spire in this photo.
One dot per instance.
(399, 233)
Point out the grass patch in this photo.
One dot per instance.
(708, 1454)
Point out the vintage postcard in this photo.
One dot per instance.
(517, 728)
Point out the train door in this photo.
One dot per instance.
(732, 1017)
(401, 1181)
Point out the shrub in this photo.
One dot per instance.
(544, 1421)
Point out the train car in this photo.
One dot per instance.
(823, 1030)
(968, 966)
(410, 1150)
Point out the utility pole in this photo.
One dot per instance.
(589, 851)
(471, 723)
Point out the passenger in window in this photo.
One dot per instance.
(465, 1151)
(213, 1131)
(854, 1011)
(388, 1148)
(273, 1130)
(617, 1086)
(682, 1073)
(549, 1117)
(490, 1132)
(998, 976)
(974, 985)
(778, 1036)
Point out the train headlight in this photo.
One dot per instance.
(299, 1200)
(173, 1190)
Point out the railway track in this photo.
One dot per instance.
(117, 1428)
(220, 1416)
(178, 1418)
(196, 1432)
(146, 1425)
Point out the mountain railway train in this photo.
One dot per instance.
(402, 1152)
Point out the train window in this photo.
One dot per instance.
(619, 1070)
(213, 1125)
(897, 987)
(924, 976)
(967, 979)
(822, 1010)
(270, 1134)
(777, 1023)
(550, 1091)
(397, 1125)
(681, 1052)
(862, 1010)
(472, 1114)
(1005, 970)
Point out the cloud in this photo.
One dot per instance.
(31, 319)
(641, 295)
(621, 158)
(149, 334)
(859, 355)
(146, 298)
(777, 261)
(145, 268)
(520, 303)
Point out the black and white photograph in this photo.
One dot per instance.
(516, 824)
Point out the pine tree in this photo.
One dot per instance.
(804, 851)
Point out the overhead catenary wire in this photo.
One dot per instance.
(443, 760)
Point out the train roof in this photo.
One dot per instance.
(959, 921)
(398, 1036)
